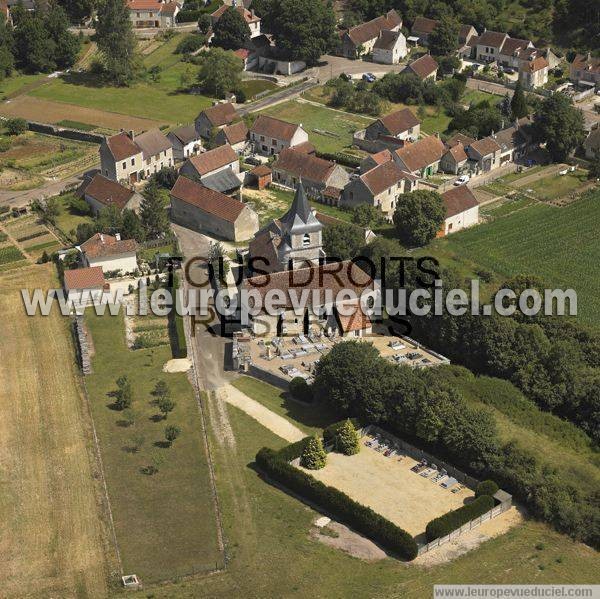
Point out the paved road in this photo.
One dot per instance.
(277, 98)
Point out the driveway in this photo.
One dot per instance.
(334, 66)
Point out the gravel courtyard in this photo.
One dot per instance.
(388, 486)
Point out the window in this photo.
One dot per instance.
(274, 142)
(132, 161)
(124, 165)
(262, 138)
(306, 240)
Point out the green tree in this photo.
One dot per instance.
(124, 394)
(66, 45)
(165, 405)
(443, 40)
(486, 487)
(418, 217)
(116, 42)
(518, 103)
(34, 48)
(79, 10)
(303, 29)
(300, 389)
(7, 60)
(204, 23)
(343, 241)
(313, 457)
(161, 389)
(365, 215)
(16, 126)
(171, 433)
(152, 212)
(231, 30)
(594, 172)
(559, 125)
(346, 439)
(132, 227)
(220, 72)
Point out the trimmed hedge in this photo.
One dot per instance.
(363, 519)
(340, 158)
(444, 525)
(178, 342)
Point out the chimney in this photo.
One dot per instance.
(118, 236)
(131, 134)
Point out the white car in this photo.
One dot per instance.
(462, 180)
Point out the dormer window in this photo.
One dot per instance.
(306, 240)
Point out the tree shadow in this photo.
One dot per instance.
(130, 449)
(124, 423)
(162, 444)
(114, 406)
(312, 414)
(157, 418)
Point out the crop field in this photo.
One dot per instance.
(52, 537)
(160, 494)
(560, 245)
(329, 130)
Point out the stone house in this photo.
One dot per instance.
(424, 27)
(215, 117)
(361, 39)
(85, 286)
(110, 253)
(485, 154)
(534, 73)
(100, 192)
(152, 14)
(515, 141)
(186, 142)
(373, 160)
(269, 135)
(130, 158)
(585, 69)
(235, 135)
(454, 160)
(591, 144)
(424, 67)
(421, 158)
(202, 209)
(402, 124)
(218, 169)
(389, 48)
(380, 187)
(462, 210)
(316, 174)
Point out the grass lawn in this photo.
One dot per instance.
(264, 525)
(165, 522)
(329, 130)
(558, 186)
(158, 100)
(68, 218)
(310, 419)
(16, 83)
(76, 125)
(560, 245)
(512, 177)
(252, 87)
(476, 96)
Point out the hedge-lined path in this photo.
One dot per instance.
(275, 423)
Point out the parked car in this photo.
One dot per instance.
(369, 77)
(509, 70)
(462, 180)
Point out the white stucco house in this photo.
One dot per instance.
(462, 210)
(110, 253)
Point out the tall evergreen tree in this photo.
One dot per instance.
(66, 45)
(7, 60)
(116, 42)
(518, 104)
(153, 213)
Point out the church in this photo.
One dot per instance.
(289, 250)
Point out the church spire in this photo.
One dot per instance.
(300, 206)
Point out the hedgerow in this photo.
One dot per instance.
(444, 525)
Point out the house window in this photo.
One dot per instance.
(132, 161)
(124, 165)
(274, 142)
(262, 138)
(306, 240)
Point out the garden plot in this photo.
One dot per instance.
(388, 486)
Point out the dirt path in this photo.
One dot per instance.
(275, 423)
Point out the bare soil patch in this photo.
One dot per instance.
(37, 109)
(347, 540)
(388, 486)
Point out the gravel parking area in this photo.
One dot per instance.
(388, 486)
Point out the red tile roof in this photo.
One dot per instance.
(261, 170)
(249, 16)
(106, 191)
(399, 121)
(424, 25)
(357, 321)
(152, 142)
(367, 31)
(305, 147)
(494, 39)
(208, 200)
(102, 244)
(423, 67)
(213, 159)
(459, 138)
(513, 44)
(458, 199)
(220, 114)
(382, 177)
(121, 146)
(537, 64)
(236, 133)
(381, 157)
(84, 278)
(457, 151)
(304, 165)
(485, 146)
(583, 62)
(422, 153)
(336, 276)
(274, 128)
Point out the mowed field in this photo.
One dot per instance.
(560, 245)
(52, 542)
